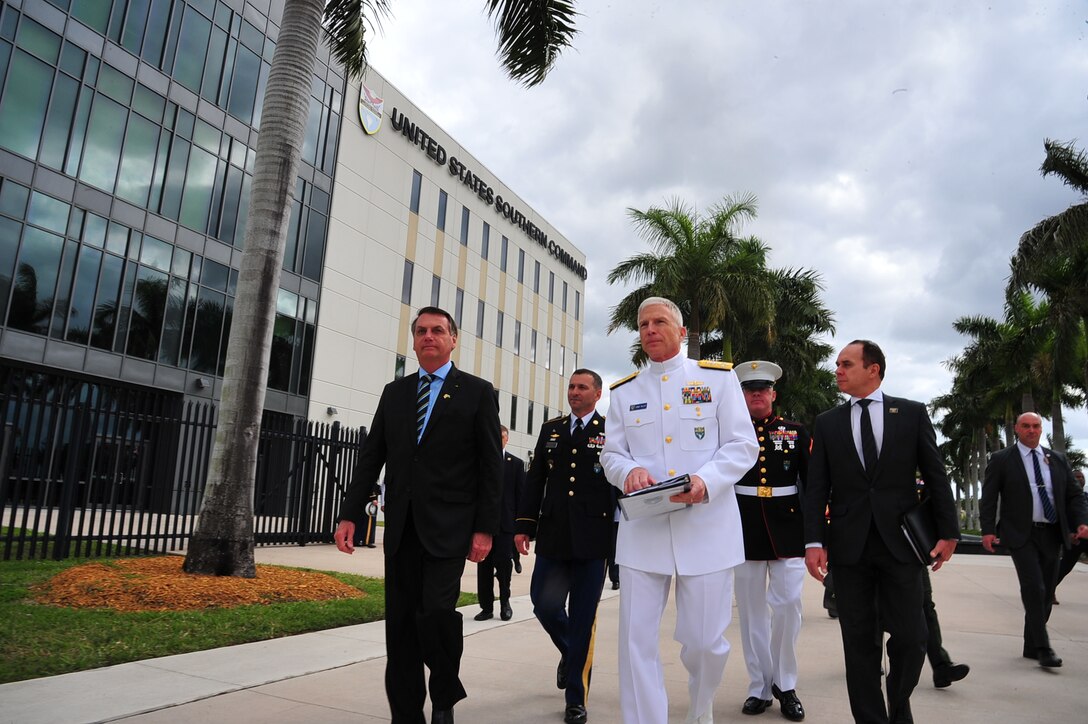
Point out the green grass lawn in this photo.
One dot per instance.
(37, 640)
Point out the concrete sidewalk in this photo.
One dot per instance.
(509, 667)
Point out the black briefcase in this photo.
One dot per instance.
(920, 529)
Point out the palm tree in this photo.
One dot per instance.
(531, 35)
(717, 279)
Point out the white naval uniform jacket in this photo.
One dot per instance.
(674, 418)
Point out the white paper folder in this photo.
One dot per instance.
(654, 500)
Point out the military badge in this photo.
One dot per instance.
(700, 433)
(695, 394)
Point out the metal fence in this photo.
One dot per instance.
(89, 468)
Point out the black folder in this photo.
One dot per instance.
(920, 529)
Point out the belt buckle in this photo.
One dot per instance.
(764, 491)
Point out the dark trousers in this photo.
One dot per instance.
(613, 567)
(422, 626)
(878, 579)
(497, 564)
(1036, 565)
(571, 629)
(934, 644)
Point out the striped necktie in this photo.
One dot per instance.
(423, 401)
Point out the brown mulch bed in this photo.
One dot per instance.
(159, 584)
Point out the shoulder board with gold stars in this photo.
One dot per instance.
(712, 364)
(624, 381)
(554, 419)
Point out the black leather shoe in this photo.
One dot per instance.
(615, 585)
(1048, 659)
(483, 616)
(561, 673)
(575, 714)
(517, 565)
(442, 716)
(944, 675)
(788, 703)
(755, 705)
(505, 612)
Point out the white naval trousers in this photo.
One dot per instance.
(769, 611)
(703, 611)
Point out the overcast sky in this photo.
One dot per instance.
(893, 147)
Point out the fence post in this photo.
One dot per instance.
(309, 471)
(63, 542)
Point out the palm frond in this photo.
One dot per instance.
(532, 34)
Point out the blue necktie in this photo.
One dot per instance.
(423, 401)
(1048, 507)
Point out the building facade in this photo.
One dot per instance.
(127, 137)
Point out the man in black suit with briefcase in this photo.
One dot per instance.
(862, 470)
(1029, 498)
(436, 433)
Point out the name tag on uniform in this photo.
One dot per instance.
(639, 406)
(551, 445)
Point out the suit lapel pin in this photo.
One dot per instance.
(893, 410)
(445, 397)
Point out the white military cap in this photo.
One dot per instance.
(757, 374)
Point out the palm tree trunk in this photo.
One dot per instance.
(1057, 424)
(694, 332)
(222, 543)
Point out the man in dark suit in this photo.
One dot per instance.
(568, 507)
(865, 457)
(1029, 497)
(499, 562)
(437, 435)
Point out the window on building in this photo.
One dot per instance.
(521, 266)
(513, 413)
(547, 413)
(564, 296)
(505, 252)
(517, 337)
(465, 214)
(417, 185)
(548, 354)
(398, 367)
(532, 347)
(436, 289)
(443, 198)
(458, 306)
(485, 242)
(529, 425)
(577, 304)
(480, 319)
(551, 286)
(498, 329)
(406, 283)
(536, 277)
(562, 359)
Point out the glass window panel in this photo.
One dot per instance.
(417, 183)
(158, 20)
(5, 57)
(113, 32)
(72, 58)
(464, 231)
(190, 324)
(310, 140)
(521, 266)
(311, 311)
(287, 303)
(135, 20)
(102, 150)
(243, 211)
(228, 317)
(64, 288)
(9, 24)
(94, 230)
(186, 122)
(207, 136)
(9, 247)
(513, 412)
(564, 296)
(13, 198)
(459, 306)
(207, 331)
(80, 313)
(173, 322)
(498, 329)
(48, 212)
(196, 200)
(441, 222)
(215, 275)
(90, 71)
(115, 84)
(485, 242)
(232, 282)
(213, 66)
(398, 367)
(156, 253)
(216, 200)
(505, 252)
(58, 126)
(117, 238)
(39, 40)
(577, 304)
(138, 160)
(158, 176)
(238, 153)
(517, 337)
(536, 277)
(306, 363)
(315, 246)
(75, 223)
(148, 311)
(134, 239)
(251, 37)
(170, 206)
(548, 354)
(480, 310)
(24, 103)
(231, 197)
(532, 354)
(35, 281)
(228, 71)
(95, 14)
(180, 265)
(406, 283)
(551, 286)
(128, 291)
(192, 44)
(436, 289)
(79, 131)
(279, 363)
(243, 86)
(149, 103)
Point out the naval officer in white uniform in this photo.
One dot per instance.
(677, 416)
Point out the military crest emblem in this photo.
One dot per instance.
(370, 110)
(700, 433)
